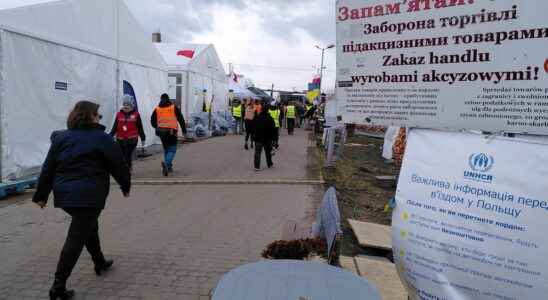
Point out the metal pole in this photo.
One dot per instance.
(321, 76)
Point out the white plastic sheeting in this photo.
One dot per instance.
(204, 71)
(48, 63)
(86, 25)
(389, 140)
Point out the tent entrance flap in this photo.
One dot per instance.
(176, 88)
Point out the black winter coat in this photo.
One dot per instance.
(78, 168)
(264, 128)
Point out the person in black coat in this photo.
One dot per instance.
(78, 167)
(265, 132)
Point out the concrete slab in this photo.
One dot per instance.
(372, 235)
(348, 263)
(383, 275)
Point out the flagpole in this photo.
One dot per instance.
(321, 68)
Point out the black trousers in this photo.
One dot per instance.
(83, 231)
(290, 126)
(249, 131)
(275, 142)
(267, 151)
(128, 147)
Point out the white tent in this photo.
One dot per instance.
(196, 74)
(58, 52)
(239, 89)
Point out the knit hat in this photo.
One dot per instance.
(128, 100)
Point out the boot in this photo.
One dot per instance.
(165, 170)
(103, 267)
(59, 290)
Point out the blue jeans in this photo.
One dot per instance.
(170, 149)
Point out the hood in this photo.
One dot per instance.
(165, 103)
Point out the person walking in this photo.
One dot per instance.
(291, 115)
(265, 131)
(237, 115)
(274, 112)
(164, 119)
(249, 116)
(127, 129)
(77, 168)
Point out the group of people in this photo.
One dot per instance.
(82, 159)
(262, 123)
(166, 119)
(78, 167)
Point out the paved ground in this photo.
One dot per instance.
(168, 242)
(225, 158)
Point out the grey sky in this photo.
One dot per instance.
(272, 40)
(269, 41)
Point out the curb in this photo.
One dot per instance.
(142, 182)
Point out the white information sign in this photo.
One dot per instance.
(445, 64)
(471, 221)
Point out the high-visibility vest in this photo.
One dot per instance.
(166, 117)
(308, 107)
(237, 111)
(275, 114)
(291, 112)
(127, 125)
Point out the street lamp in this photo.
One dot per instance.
(321, 69)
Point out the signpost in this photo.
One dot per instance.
(446, 64)
(470, 221)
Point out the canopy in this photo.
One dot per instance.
(55, 53)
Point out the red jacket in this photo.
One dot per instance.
(128, 126)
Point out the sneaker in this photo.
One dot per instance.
(165, 170)
(257, 170)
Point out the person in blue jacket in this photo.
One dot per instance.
(78, 167)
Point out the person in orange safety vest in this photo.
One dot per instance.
(166, 119)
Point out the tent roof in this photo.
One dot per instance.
(85, 25)
(240, 91)
(169, 52)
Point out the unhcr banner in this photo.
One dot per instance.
(446, 64)
(471, 221)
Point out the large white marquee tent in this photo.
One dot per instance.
(58, 52)
(196, 75)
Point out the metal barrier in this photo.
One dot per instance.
(334, 139)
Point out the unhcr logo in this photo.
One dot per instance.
(480, 164)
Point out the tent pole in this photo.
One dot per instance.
(2, 127)
(187, 96)
(117, 16)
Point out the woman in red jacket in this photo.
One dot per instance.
(127, 128)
